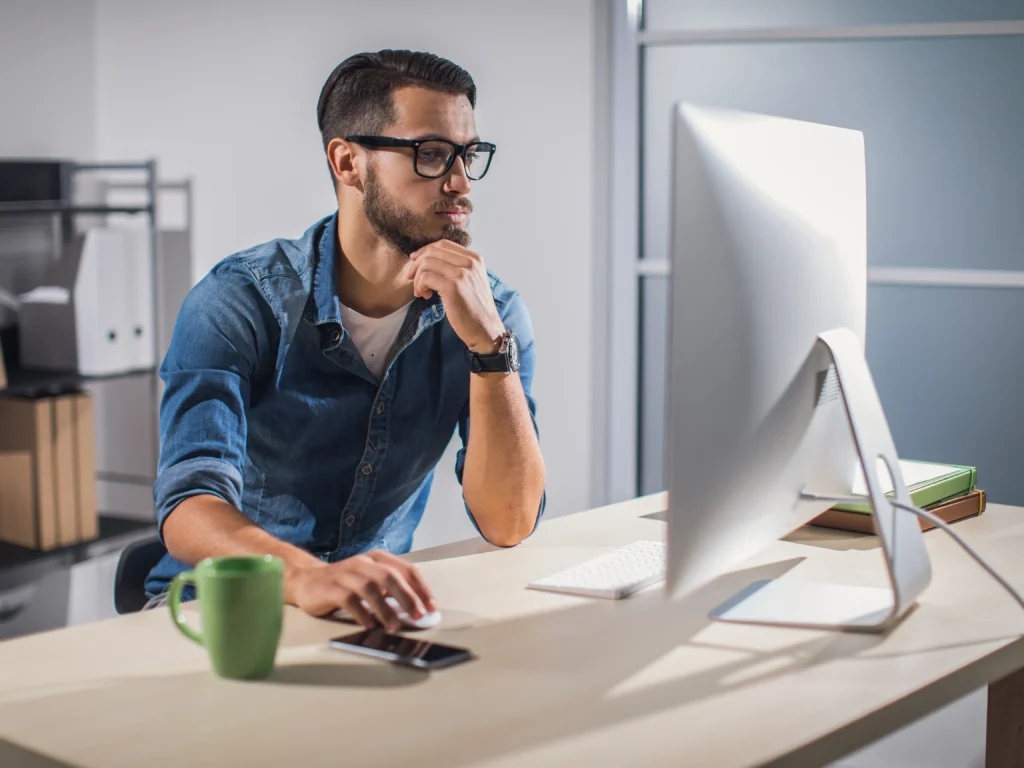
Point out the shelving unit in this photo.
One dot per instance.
(50, 206)
(35, 586)
(168, 284)
(24, 382)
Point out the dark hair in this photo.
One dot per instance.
(358, 97)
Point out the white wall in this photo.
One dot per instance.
(226, 92)
(47, 54)
(47, 109)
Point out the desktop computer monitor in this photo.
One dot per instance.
(769, 242)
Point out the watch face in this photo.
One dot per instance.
(513, 353)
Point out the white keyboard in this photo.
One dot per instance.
(615, 574)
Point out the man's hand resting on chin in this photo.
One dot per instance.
(459, 277)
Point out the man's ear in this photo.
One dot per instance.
(345, 163)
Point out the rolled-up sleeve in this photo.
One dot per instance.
(220, 338)
(516, 318)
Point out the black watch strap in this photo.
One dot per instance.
(505, 360)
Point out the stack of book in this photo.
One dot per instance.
(47, 471)
(948, 491)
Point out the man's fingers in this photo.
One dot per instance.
(374, 588)
(427, 282)
(354, 605)
(438, 260)
(412, 576)
(447, 248)
(400, 589)
(421, 284)
(449, 251)
(415, 580)
(434, 263)
(373, 593)
(454, 248)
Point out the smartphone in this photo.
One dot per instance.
(401, 650)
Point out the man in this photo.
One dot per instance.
(312, 385)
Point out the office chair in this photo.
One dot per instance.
(134, 565)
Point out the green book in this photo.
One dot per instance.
(927, 483)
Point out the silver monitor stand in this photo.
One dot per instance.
(791, 602)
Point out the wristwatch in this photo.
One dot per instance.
(505, 360)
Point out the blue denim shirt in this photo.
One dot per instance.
(268, 405)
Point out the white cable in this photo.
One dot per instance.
(940, 523)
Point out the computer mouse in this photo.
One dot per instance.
(427, 621)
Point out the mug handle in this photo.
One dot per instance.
(174, 601)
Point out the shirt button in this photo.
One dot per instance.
(350, 519)
(367, 469)
(335, 336)
(380, 407)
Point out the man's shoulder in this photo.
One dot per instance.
(512, 309)
(503, 293)
(289, 258)
(267, 285)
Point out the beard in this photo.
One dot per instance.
(399, 226)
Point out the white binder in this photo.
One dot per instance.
(95, 316)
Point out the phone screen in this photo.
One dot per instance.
(405, 650)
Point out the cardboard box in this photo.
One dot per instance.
(27, 425)
(85, 468)
(47, 467)
(64, 444)
(17, 494)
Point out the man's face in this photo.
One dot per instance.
(405, 209)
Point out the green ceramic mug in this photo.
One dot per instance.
(241, 606)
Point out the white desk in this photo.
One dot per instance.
(560, 680)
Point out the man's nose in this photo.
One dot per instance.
(458, 183)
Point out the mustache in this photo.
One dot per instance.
(462, 203)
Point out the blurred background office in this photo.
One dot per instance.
(214, 102)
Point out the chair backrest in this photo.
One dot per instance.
(136, 561)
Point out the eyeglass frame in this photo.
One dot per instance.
(459, 150)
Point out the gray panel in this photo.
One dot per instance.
(125, 415)
(37, 606)
(948, 367)
(950, 388)
(621, 216)
(757, 14)
(174, 280)
(945, 181)
(91, 596)
(942, 120)
(653, 410)
(133, 500)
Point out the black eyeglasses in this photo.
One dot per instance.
(433, 158)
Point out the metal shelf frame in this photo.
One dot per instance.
(27, 383)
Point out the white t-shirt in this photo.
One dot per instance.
(374, 336)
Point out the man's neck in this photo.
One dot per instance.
(370, 273)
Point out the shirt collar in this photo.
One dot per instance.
(325, 292)
(325, 288)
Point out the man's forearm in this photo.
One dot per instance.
(503, 478)
(207, 526)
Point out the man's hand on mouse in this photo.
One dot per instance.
(370, 578)
(459, 276)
